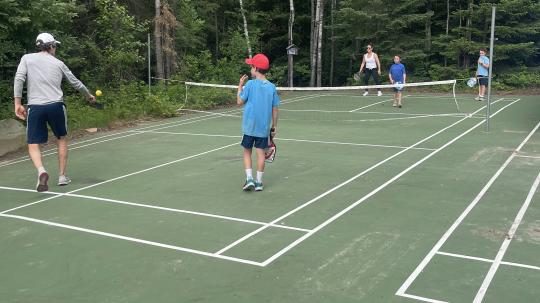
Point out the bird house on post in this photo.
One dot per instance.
(292, 50)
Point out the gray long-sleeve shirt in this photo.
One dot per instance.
(43, 74)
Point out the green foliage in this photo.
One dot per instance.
(118, 43)
(126, 103)
(520, 79)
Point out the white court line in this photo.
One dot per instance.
(372, 112)
(208, 112)
(488, 260)
(424, 299)
(373, 192)
(384, 119)
(521, 265)
(332, 190)
(372, 104)
(464, 257)
(287, 139)
(530, 157)
(433, 115)
(394, 119)
(136, 240)
(506, 243)
(53, 151)
(121, 177)
(450, 97)
(462, 216)
(203, 214)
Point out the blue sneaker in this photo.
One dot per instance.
(249, 185)
(258, 186)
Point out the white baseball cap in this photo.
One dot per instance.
(45, 38)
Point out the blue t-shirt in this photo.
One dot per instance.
(397, 71)
(260, 96)
(482, 71)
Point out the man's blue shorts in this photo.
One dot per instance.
(249, 141)
(54, 114)
(483, 80)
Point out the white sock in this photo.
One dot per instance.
(259, 176)
(249, 173)
(41, 170)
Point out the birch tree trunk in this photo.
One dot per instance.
(466, 59)
(290, 63)
(447, 25)
(332, 41)
(320, 7)
(217, 33)
(313, 43)
(447, 16)
(246, 33)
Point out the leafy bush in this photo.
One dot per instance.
(521, 79)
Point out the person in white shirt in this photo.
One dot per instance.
(372, 67)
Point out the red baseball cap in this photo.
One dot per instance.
(259, 61)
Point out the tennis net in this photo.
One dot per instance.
(339, 104)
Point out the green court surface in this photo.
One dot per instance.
(364, 203)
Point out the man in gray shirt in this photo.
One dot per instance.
(43, 74)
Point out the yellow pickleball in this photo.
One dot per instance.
(98, 93)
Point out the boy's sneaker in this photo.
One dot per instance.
(42, 186)
(258, 186)
(394, 105)
(249, 185)
(365, 94)
(479, 98)
(63, 180)
(379, 93)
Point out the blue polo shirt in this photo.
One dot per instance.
(260, 96)
(482, 71)
(397, 71)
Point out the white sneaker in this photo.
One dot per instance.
(63, 180)
(366, 93)
(379, 93)
(479, 98)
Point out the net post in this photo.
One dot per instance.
(185, 99)
(454, 94)
(491, 45)
(149, 68)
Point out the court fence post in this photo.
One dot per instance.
(149, 68)
(491, 45)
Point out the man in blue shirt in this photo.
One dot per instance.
(260, 99)
(482, 74)
(397, 77)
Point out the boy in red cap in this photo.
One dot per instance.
(260, 99)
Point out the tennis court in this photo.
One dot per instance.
(364, 203)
